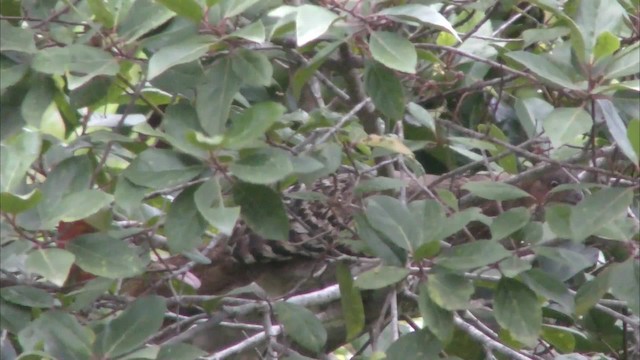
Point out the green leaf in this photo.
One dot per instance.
(17, 155)
(422, 13)
(393, 219)
(52, 264)
(11, 73)
(564, 125)
(15, 204)
(516, 309)
(416, 345)
(255, 32)
(508, 163)
(592, 291)
(231, 8)
(598, 210)
(183, 52)
(532, 36)
(378, 245)
(302, 75)
(140, 18)
(210, 204)
(617, 128)
(131, 329)
(492, 190)
(544, 69)
(421, 116)
(562, 338)
(61, 334)
(263, 166)
(438, 320)
(184, 225)
(450, 291)
(431, 217)
(78, 205)
(351, 302)
(301, 325)
(101, 13)
(394, 51)
(472, 255)
(37, 101)
(594, 17)
(27, 296)
(215, 94)
(509, 222)
(105, 256)
(311, 22)
(190, 9)
(160, 169)
(633, 134)
(381, 276)
(513, 266)
(252, 124)
(14, 317)
(262, 209)
(17, 39)
(625, 63)
(83, 61)
(385, 90)
(568, 262)
(379, 184)
(179, 351)
(625, 283)
(254, 68)
(606, 45)
(558, 217)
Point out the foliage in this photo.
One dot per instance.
(135, 133)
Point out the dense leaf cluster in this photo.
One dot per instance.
(137, 135)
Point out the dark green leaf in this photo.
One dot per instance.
(131, 328)
(263, 166)
(351, 301)
(472, 255)
(513, 266)
(492, 190)
(625, 283)
(544, 69)
(302, 75)
(617, 128)
(53, 264)
(597, 210)
(380, 277)
(592, 291)
(377, 244)
(394, 51)
(633, 134)
(438, 320)
(558, 217)
(17, 156)
(516, 309)
(262, 209)
(14, 204)
(385, 90)
(17, 39)
(105, 256)
(190, 9)
(509, 222)
(62, 335)
(159, 169)
(215, 94)
(418, 345)
(564, 125)
(252, 124)
(180, 53)
(252, 67)
(301, 325)
(27, 296)
(184, 225)
(450, 291)
(393, 219)
(210, 204)
(560, 337)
